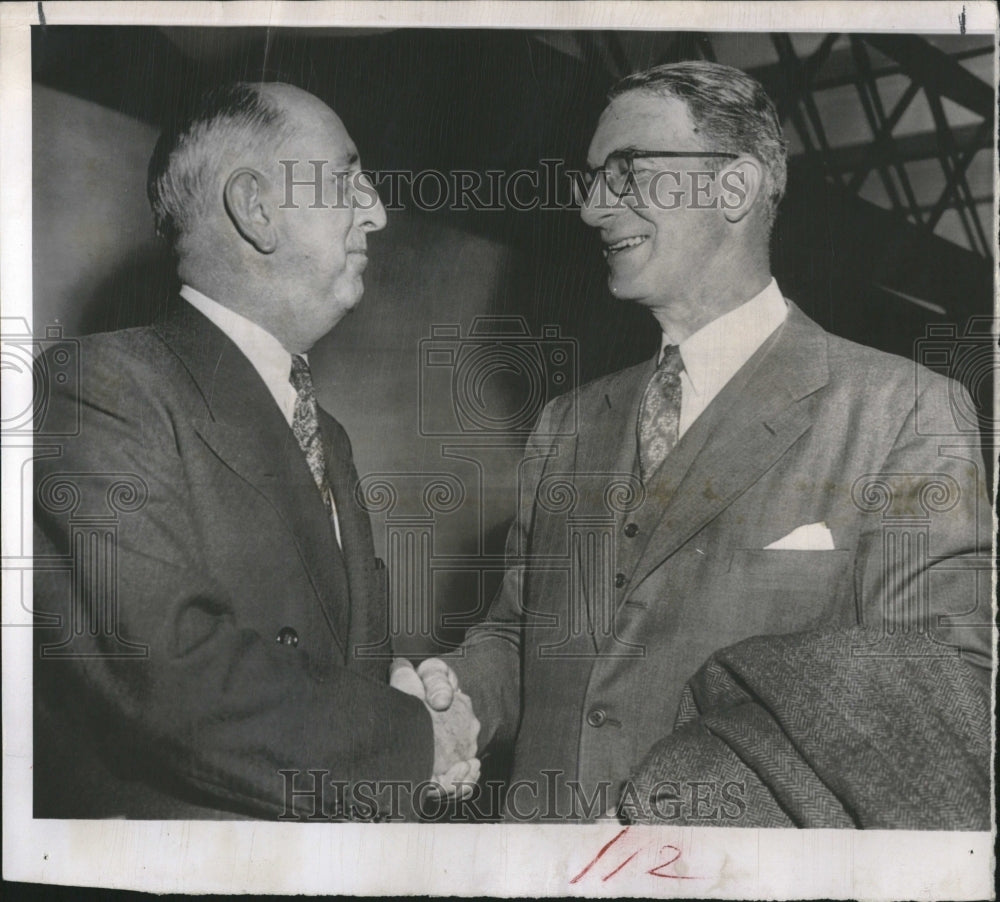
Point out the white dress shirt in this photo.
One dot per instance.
(266, 354)
(714, 353)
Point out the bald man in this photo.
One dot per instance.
(204, 655)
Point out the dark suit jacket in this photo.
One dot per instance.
(199, 631)
(616, 593)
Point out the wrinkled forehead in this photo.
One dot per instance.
(640, 120)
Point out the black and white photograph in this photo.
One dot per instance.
(536, 449)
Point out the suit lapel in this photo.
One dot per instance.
(247, 431)
(607, 430)
(366, 610)
(753, 421)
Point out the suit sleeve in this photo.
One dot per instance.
(488, 664)
(923, 558)
(209, 706)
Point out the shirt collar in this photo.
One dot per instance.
(714, 353)
(267, 355)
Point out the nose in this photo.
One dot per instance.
(596, 208)
(369, 214)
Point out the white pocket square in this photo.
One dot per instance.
(810, 537)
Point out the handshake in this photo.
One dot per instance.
(456, 729)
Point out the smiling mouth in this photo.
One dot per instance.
(625, 244)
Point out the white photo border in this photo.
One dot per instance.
(395, 859)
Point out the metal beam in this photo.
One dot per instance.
(924, 146)
(883, 130)
(954, 170)
(797, 81)
(902, 105)
(839, 69)
(867, 94)
(923, 62)
(828, 240)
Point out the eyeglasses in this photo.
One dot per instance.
(618, 171)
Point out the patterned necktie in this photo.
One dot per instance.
(305, 425)
(660, 413)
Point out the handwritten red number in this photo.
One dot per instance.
(655, 872)
(617, 869)
(599, 856)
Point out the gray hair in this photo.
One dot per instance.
(731, 111)
(185, 168)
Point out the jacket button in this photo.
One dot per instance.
(596, 717)
(619, 580)
(287, 636)
(632, 530)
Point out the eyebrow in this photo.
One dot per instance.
(625, 149)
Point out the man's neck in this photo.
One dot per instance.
(683, 315)
(243, 301)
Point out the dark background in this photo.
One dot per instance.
(878, 238)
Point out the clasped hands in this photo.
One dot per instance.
(456, 729)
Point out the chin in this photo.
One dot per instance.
(350, 294)
(623, 290)
(345, 301)
(632, 289)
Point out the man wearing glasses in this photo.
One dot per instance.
(749, 643)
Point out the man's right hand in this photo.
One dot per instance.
(455, 733)
(456, 728)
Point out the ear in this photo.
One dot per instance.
(248, 211)
(741, 188)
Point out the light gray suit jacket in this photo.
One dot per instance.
(616, 594)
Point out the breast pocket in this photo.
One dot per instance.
(779, 570)
(788, 591)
